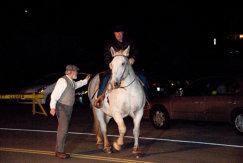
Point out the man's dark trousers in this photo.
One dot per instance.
(63, 113)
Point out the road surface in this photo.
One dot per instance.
(27, 138)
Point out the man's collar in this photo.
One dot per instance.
(69, 78)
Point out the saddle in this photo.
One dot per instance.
(99, 101)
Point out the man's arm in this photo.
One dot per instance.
(134, 52)
(107, 55)
(81, 83)
(56, 94)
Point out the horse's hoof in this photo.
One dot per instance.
(116, 146)
(138, 155)
(107, 150)
(99, 146)
(136, 152)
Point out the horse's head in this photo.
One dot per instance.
(119, 66)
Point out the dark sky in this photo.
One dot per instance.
(171, 36)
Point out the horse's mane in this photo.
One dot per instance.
(120, 52)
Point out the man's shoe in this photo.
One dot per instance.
(62, 155)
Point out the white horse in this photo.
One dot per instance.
(124, 97)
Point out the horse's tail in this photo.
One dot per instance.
(97, 130)
(93, 85)
(96, 125)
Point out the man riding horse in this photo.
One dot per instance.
(119, 43)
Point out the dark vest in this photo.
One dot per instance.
(68, 96)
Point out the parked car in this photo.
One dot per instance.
(161, 88)
(46, 85)
(215, 98)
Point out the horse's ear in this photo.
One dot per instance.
(112, 50)
(126, 51)
(110, 65)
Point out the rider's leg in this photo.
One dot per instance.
(103, 83)
(144, 80)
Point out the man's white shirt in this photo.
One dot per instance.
(61, 86)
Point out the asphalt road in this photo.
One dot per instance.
(27, 138)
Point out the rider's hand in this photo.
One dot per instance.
(53, 112)
(131, 60)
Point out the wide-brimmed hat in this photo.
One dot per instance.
(119, 28)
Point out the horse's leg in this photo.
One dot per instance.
(97, 131)
(136, 131)
(107, 147)
(122, 130)
(103, 126)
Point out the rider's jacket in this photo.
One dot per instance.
(133, 53)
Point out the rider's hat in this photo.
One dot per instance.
(119, 28)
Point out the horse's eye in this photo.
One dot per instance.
(123, 64)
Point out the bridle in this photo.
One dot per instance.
(123, 75)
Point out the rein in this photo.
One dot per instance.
(128, 84)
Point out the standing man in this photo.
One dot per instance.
(62, 100)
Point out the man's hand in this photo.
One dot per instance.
(53, 112)
(87, 77)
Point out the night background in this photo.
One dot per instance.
(178, 42)
(175, 39)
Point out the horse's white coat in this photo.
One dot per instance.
(125, 97)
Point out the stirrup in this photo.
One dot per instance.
(99, 102)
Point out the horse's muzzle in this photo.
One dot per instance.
(115, 84)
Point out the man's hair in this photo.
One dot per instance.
(70, 68)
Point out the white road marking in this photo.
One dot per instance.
(130, 137)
